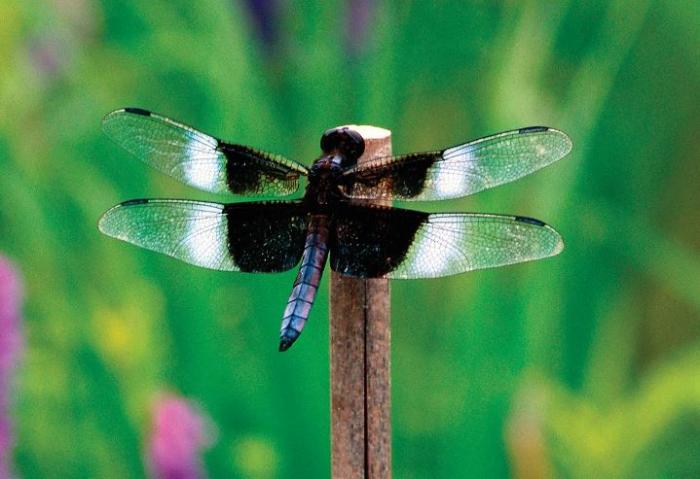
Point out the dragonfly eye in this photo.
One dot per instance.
(347, 142)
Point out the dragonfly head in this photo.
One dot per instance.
(344, 142)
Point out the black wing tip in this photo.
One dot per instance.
(103, 224)
(530, 221)
(533, 129)
(136, 111)
(132, 110)
(568, 144)
(557, 240)
(134, 202)
(116, 113)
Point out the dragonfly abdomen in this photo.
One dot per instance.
(307, 282)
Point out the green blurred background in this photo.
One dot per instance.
(583, 365)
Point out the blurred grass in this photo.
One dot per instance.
(606, 334)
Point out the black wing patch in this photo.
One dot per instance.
(372, 241)
(198, 159)
(395, 243)
(458, 171)
(266, 237)
(260, 237)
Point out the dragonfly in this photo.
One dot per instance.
(361, 239)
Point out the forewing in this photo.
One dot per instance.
(394, 243)
(198, 159)
(458, 171)
(250, 237)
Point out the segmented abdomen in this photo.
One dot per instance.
(306, 285)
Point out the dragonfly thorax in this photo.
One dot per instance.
(324, 176)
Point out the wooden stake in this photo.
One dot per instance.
(360, 354)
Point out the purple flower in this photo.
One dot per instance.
(10, 346)
(180, 433)
(265, 15)
(360, 17)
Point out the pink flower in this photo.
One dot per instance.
(10, 346)
(180, 433)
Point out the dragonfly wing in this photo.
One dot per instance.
(250, 237)
(200, 160)
(386, 242)
(458, 171)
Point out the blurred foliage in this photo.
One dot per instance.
(584, 365)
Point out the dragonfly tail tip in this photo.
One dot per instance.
(285, 343)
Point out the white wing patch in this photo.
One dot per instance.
(453, 177)
(450, 243)
(205, 169)
(192, 231)
(203, 241)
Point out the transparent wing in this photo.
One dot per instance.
(449, 244)
(458, 171)
(248, 237)
(394, 243)
(200, 160)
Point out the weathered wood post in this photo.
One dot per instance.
(360, 353)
